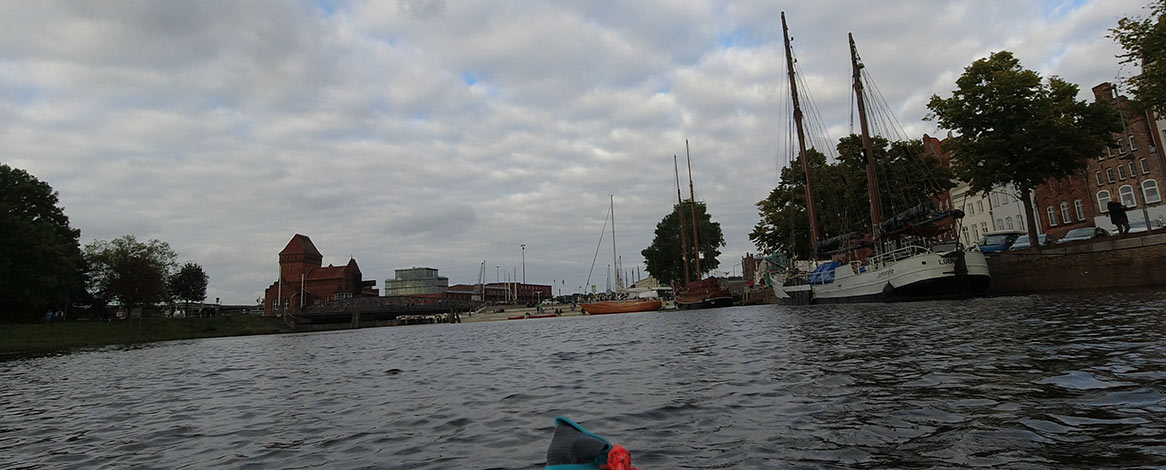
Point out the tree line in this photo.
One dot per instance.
(44, 268)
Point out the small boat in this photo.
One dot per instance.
(701, 293)
(621, 306)
(523, 317)
(606, 307)
(705, 293)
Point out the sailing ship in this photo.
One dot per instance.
(702, 293)
(891, 265)
(632, 305)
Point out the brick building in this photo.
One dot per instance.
(303, 280)
(1130, 170)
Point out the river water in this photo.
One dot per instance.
(1050, 381)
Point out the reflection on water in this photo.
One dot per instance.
(1048, 381)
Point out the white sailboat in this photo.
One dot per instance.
(897, 271)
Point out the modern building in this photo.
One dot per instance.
(415, 281)
(304, 281)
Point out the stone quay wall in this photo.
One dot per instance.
(1131, 261)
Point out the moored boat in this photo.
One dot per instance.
(607, 307)
(901, 261)
(706, 293)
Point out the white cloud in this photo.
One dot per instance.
(447, 133)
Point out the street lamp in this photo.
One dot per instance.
(523, 263)
(496, 275)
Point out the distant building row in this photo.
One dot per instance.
(1131, 170)
(304, 281)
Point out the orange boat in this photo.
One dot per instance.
(621, 306)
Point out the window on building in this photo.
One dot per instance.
(1150, 192)
(1103, 200)
(1133, 171)
(1131, 141)
(1109, 174)
(1052, 216)
(1121, 148)
(1065, 212)
(975, 233)
(984, 227)
(1145, 166)
(994, 200)
(1008, 222)
(980, 205)
(1100, 181)
(1127, 196)
(343, 295)
(1080, 208)
(967, 240)
(1121, 172)
(999, 224)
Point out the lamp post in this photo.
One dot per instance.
(523, 263)
(496, 278)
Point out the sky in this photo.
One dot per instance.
(447, 134)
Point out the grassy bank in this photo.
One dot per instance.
(47, 337)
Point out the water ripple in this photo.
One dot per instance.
(1059, 381)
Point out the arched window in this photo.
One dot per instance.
(1127, 196)
(999, 224)
(1080, 208)
(1008, 222)
(1065, 212)
(1150, 192)
(1052, 216)
(1103, 200)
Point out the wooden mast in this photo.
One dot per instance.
(692, 195)
(680, 213)
(793, 86)
(872, 182)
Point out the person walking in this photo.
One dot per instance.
(1117, 215)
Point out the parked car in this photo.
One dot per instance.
(1023, 244)
(998, 241)
(1140, 225)
(1084, 233)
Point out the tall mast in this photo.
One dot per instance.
(680, 212)
(793, 87)
(692, 194)
(614, 257)
(872, 183)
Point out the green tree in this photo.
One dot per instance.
(131, 272)
(907, 177)
(1016, 129)
(40, 257)
(189, 283)
(663, 257)
(1144, 42)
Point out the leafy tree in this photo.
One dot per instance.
(189, 283)
(907, 177)
(40, 257)
(1144, 40)
(663, 257)
(131, 272)
(1016, 129)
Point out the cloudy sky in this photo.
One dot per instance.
(447, 133)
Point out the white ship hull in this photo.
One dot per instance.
(918, 275)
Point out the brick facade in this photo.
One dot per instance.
(304, 281)
(1130, 169)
